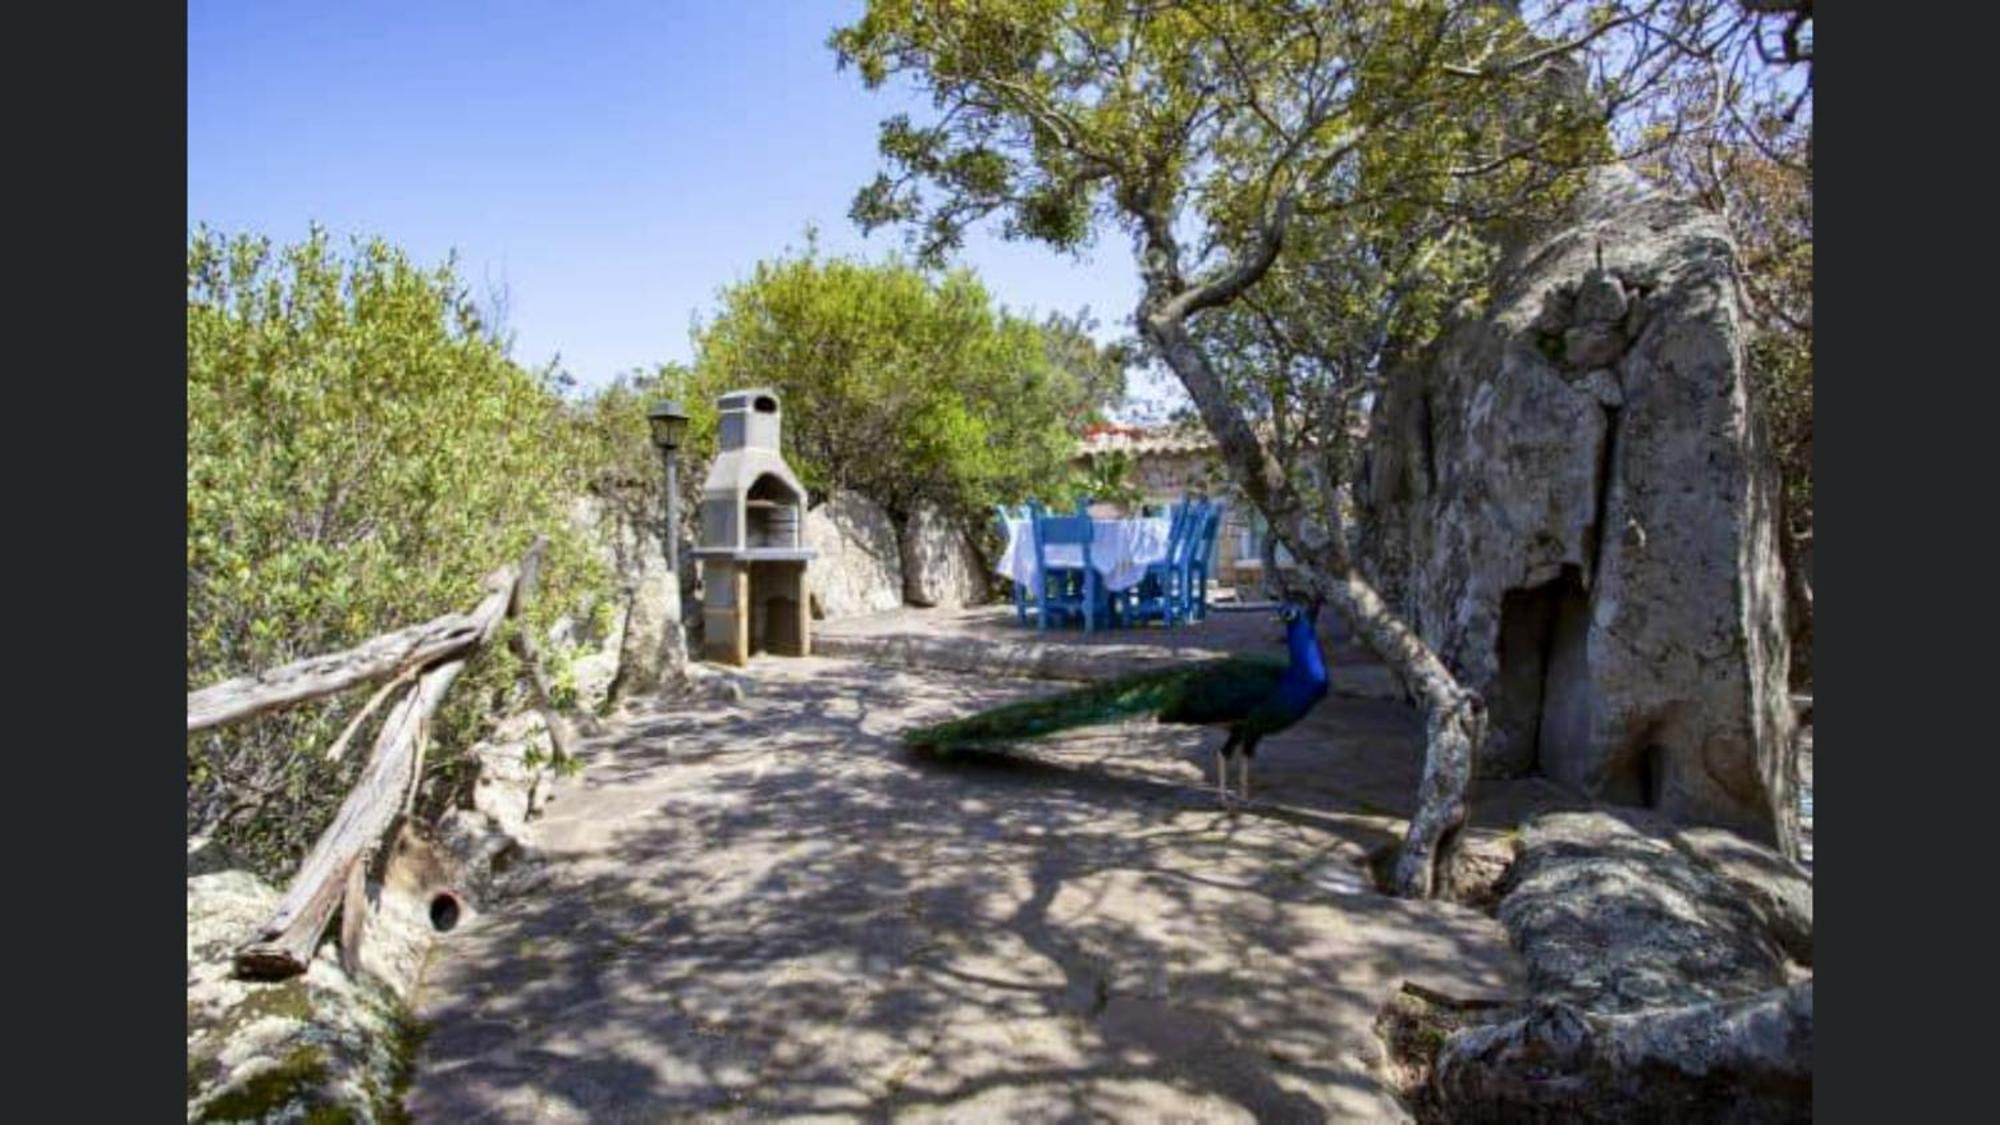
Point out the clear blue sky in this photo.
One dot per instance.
(611, 164)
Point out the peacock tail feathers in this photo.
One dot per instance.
(1170, 690)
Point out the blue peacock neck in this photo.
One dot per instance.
(1308, 667)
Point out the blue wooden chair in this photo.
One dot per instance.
(1061, 589)
(1158, 593)
(1201, 556)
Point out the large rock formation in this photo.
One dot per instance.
(860, 566)
(940, 568)
(1572, 502)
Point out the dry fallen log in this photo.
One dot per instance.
(435, 653)
(319, 676)
(284, 945)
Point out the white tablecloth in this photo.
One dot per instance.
(1120, 551)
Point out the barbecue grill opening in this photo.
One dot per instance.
(771, 514)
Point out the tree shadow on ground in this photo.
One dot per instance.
(773, 909)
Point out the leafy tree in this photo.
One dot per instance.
(361, 452)
(1272, 160)
(622, 465)
(1101, 368)
(1221, 137)
(904, 385)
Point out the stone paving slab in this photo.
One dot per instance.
(771, 910)
(989, 640)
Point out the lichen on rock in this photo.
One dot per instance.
(322, 1046)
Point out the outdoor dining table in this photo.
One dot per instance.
(1120, 551)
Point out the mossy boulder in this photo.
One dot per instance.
(319, 1047)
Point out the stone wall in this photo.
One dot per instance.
(940, 566)
(645, 649)
(859, 569)
(1572, 502)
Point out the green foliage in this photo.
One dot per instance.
(905, 385)
(1057, 116)
(1108, 479)
(1310, 189)
(621, 466)
(1329, 322)
(361, 452)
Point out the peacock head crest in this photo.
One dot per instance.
(1297, 609)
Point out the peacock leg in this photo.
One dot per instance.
(1249, 752)
(1222, 758)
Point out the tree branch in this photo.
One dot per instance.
(1270, 239)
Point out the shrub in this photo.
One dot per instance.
(361, 452)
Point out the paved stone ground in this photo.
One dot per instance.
(990, 640)
(770, 909)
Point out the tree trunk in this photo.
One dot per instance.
(1454, 727)
(1454, 717)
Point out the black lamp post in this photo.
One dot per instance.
(669, 423)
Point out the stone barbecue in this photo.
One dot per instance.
(752, 563)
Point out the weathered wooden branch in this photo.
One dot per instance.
(561, 738)
(319, 676)
(354, 914)
(375, 702)
(285, 943)
(434, 653)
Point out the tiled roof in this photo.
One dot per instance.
(1141, 440)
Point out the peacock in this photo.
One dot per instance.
(1253, 696)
